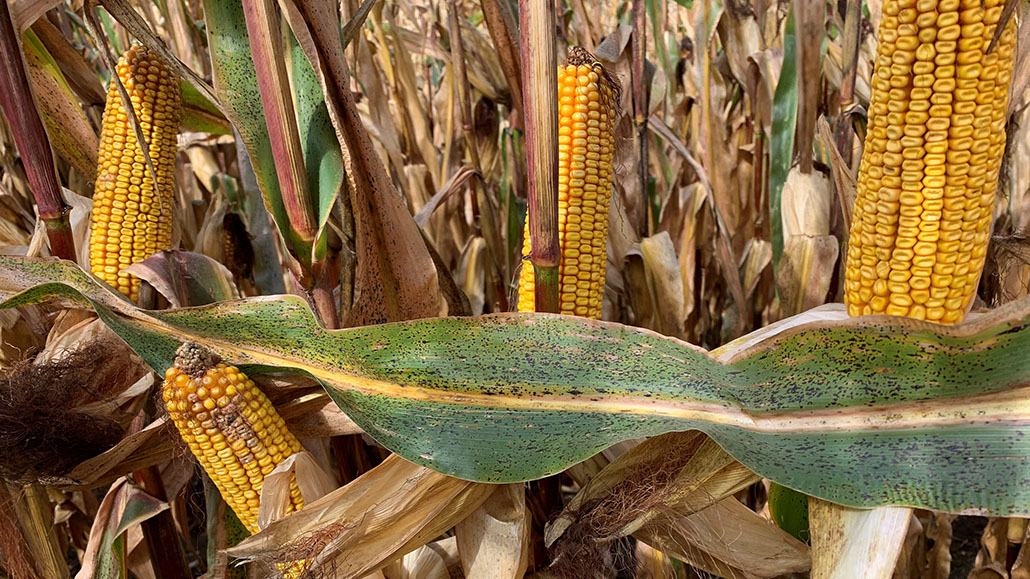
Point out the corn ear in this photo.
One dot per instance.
(230, 426)
(131, 218)
(929, 172)
(587, 99)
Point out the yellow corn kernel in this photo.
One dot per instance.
(587, 104)
(929, 173)
(131, 220)
(230, 426)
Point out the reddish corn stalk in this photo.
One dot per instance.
(31, 140)
(540, 95)
(640, 100)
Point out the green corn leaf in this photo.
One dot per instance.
(784, 121)
(237, 89)
(199, 114)
(863, 412)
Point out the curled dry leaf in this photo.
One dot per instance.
(1021, 567)
(845, 539)
(437, 560)
(124, 506)
(993, 559)
(186, 279)
(665, 283)
(938, 559)
(729, 540)
(313, 481)
(494, 541)
(681, 472)
(390, 510)
(806, 270)
(472, 273)
(806, 204)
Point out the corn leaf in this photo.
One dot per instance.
(66, 124)
(237, 88)
(784, 121)
(186, 278)
(863, 412)
(199, 114)
(124, 506)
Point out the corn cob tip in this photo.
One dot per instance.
(194, 360)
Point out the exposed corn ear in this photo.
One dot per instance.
(929, 172)
(230, 426)
(131, 220)
(586, 145)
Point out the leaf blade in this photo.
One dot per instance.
(862, 412)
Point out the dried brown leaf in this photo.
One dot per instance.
(730, 540)
(806, 269)
(315, 416)
(471, 273)
(493, 541)
(680, 472)
(391, 510)
(846, 539)
(665, 283)
(806, 204)
(313, 481)
(992, 560)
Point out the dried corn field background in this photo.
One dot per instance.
(728, 216)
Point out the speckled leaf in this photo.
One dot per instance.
(185, 278)
(323, 159)
(66, 124)
(199, 114)
(124, 506)
(237, 88)
(863, 412)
